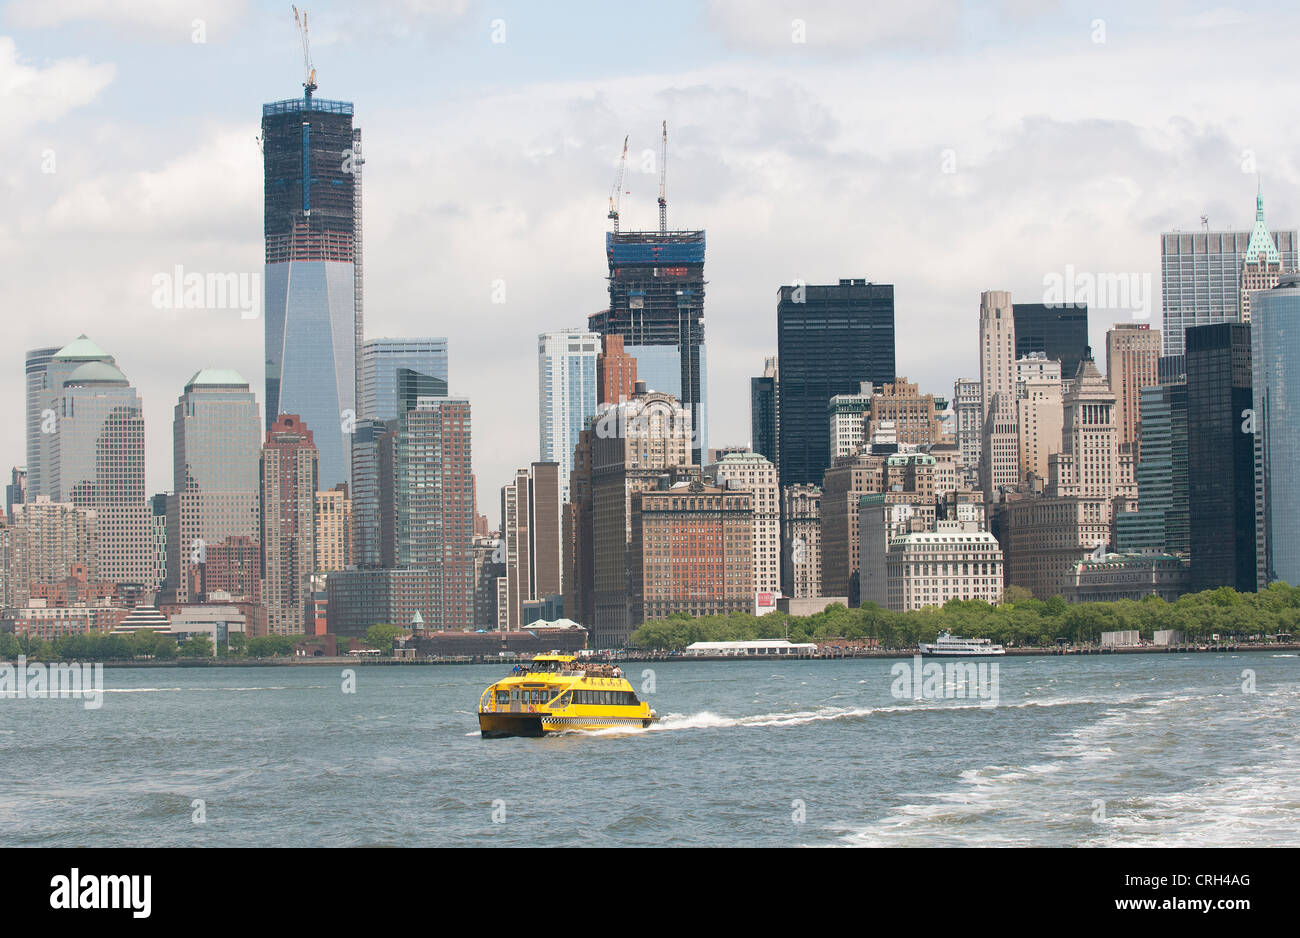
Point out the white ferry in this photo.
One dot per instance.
(949, 646)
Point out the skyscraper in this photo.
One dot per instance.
(46, 370)
(288, 484)
(754, 473)
(656, 303)
(999, 429)
(435, 505)
(1275, 333)
(531, 532)
(829, 340)
(96, 461)
(1201, 274)
(216, 446)
(382, 359)
(1161, 521)
(566, 395)
(1061, 332)
(1132, 363)
(1221, 457)
(762, 411)
(313, 269)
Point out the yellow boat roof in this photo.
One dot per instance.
(553, 657)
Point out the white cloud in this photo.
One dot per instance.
(776, 24)
(169, 20)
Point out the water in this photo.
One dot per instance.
(1082, 751)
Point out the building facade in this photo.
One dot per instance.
(830, 338)
(566, 395)
(289, 473)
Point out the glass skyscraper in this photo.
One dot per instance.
(1201, 277)
(313, 267)
(380, 361)
(1220, 457)
(566, 395)
(829, 340)
(1061, 332)
(1275, 333)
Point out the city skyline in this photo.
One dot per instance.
(1102, 180)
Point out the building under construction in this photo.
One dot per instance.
(656, 303)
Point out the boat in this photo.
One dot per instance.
(950, 646)
(557, 692)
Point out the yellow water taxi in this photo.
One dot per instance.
(556, 692)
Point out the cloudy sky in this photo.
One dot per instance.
(944, 147)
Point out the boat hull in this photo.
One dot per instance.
(505, 725)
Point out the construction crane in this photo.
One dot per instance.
(663, 172)
(616, 193)
(309, 73)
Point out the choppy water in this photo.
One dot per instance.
(1094, 751)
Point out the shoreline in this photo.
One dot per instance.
(859, 654)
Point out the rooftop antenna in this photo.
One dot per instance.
(1205, 223)
(616, 193)
(663, 172)
(309, 73)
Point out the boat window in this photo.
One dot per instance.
(503, 696)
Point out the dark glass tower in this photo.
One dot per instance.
(762, 412)
(311, 160)
(829, 340)
(656, 303)
(1059, 331)
(1220, 457)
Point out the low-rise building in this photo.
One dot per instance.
(956, 560)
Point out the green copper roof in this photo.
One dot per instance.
(96, 373)
(1261, 242)
(84, 349)
(216, 377)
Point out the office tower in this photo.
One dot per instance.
(829, 339)
(313, 271)
(46, 370)
(801, 552)
(579, 536)
(656, 303)
(913, 415)
(1161, 522)
(1044, 538)
(1275, 333)
(39, 384)
(1202, 275)
(632, 445)
(615, 371)
(691, 550)
(1261, 267)
(566, 395)
(901, 478)
(1000, 447)
(383, 359)
(16, 490)
(1040, 411)
(1221, 457)
(366, 442)
(488, 568)
(49, 540)
(846, 416)
(1132, 363)
(968, 404)
(531, 538)
(216, 450)
(289, 473)
(753, 473)
(435, 505)
(158, 540)
(96, 461)
(1059, 332)
(1090, 464)
(997, 337)
(762, 411)
(333, 530)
